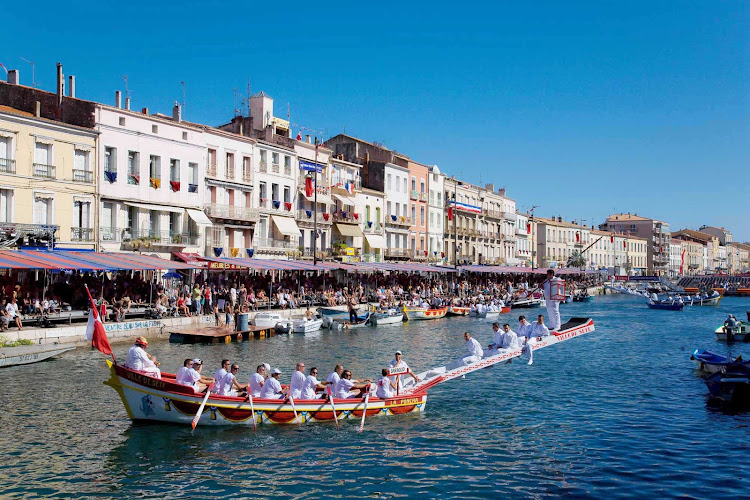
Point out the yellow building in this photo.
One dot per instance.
(47, 179)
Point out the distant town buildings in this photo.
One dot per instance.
(81, 174)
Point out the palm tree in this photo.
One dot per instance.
(576, 260)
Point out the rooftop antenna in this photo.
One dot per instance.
(33, 79)
(183, 98)
(247, 100)
(127, 92)
(236, 111)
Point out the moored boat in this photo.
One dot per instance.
(379, 319)
(701, 301)
(711, 362)
(737, 333)
(304, 325)
(419, 313)
(732, 384)
(458, 311)
(268, 319)
(665, 306)
(345, 324)
(27, 354)
(527, 303)
(486, 314)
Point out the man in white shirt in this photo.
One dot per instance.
(346, 384)
(141, 361)
(298, 380)
(257, 380)
(233, 295)
(524, 328)
(539, 329)
(229, 386)
(311, 385)
(12, 310)
(474, 348)
(399, 366)
(508, 339)
(220, 374)
(187, 376)
(334, 377)
(272, 388)
(385, 386)
(498, 338)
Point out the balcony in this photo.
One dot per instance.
(346, 217)
(110, 234)
(521, 232)
(304, 218)
(288, 170)
(321, 254)
(44, 170)
(81, 234)
(247, 175)
(375, 228)
(423, 196)
(146, 238)
(211, 169)
(273, 244)
(494, 214)
(231, 212)
(413, 195)
(263, 168)
(511, 216)
(398, 252)
(399, 221)
(230, 172)
(86, 176)
(7, 166)
(275, 168)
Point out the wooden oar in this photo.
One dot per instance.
(296, 417)
(333, 407)
(364, 413)
(252, 410)
(200, 409)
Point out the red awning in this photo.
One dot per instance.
(11, 259)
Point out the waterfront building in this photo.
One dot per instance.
(507, 223)
(694, 245)
(48, 167)
(675, 257)
(418, 208)
(152, 184)
(461, 236)
(436, 214)
(373, 208)
(738, 257)
(346, 190)
(314, 167)
(558, 241)
(229, 193)
(524, 239)
(655, 231)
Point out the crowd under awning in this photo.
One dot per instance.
(68, 260)
(477, 268)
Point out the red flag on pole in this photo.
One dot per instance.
(578, 237)
(612, 239)
(450, 213)
(528, 228)
(95, 329)
(308, 186)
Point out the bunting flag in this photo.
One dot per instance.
(234, 251)
(95, 329)
(450, 213)
(528, 228)
(308, 213)
(612, 239)
(250, 252)
(326, 216)
(624, 244)
(578, 237)
(217, 251)
(299, 136)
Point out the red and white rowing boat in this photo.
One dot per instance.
(416, 313)
(163, 400)
(458, 311)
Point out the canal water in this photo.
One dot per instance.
(618, 412)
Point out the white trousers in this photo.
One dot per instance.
(553, 314)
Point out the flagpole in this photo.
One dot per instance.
(315, 210)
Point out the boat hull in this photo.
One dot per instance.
(386, 319)
(150, 399)
(666, 307)
(422, 314)
(458, 311)
(27, 354)
(304, 326)
(740, 333)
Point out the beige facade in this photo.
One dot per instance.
(48, 177)
(656, 232)
(558, 240)
(693, 251)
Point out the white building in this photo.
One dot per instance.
(523, 240)
(397, 216)
(372, 203)
(436, 210)
(307, 215)
(346, 186)
(675, 257)
(152, 187)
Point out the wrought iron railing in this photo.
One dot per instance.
(83, 176)
(7, 166)
(231, 212)
(81, 234)
(44, 170)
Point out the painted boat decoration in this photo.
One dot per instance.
(458, 311)
(163, 400)
(739, 333)
(379, 319)
(418, 313)
(27, 354)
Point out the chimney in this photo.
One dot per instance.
(144, 111)
(60, 84)
(118, 99)
(127, 103)
(71, 86)
(559, 218)
(308, 138)
(38, 109)
(501, 191)
(13, 77)
(177, 112)
(489, 187)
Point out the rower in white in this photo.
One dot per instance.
(554, 293)
(311, 385)
(272, 387)
(220, 373)
(334, 377)
(507, 339)
(346, 385)
(257, 380)
(229, 386)
(524, 328)
(298, 380)
(474, 348)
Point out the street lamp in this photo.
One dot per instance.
(533, 246)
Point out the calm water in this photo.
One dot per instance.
(619, 412)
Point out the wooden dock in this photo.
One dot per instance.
(217, 335)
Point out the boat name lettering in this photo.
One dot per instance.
(132, 325)
(398, 371)
(574, 333)
(144, 380)
(28, 357)
(409, 401)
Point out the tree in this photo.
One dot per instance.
(576, 260)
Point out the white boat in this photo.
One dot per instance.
(26, 354)
(379, 319)
(739, 332)
(525, 303)
(486, 314)
(304, 325)
(268, 319)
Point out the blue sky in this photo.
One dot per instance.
(580, 108)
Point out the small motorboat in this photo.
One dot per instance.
(26, 354)
(666, 305)
(583, 298)
(333, 311)
(268, 319)
(345, 324)
(737, 333)
(379, 318)
(527, 303)
(711, 362)
(731, 385)
(458, 311)
(304, 325)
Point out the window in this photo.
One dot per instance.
(263, 157)
(6, 205)
(154, 129)
(262, 191)
(82, 218)
(132, 220)
(287, 162)
(193, 177)
(388, 183)
(134, 170)
(275, 192)
(388, 208)
(230, 166)
(154, 167)
(421, 216)
(275, 157)
(421, 186)
(81, 168)
(413, 215)
(377, 215)
(110, 159)
(367, 213)
(174, 223)
(247, 168)
(43, 209)
(405, 185)
(174, 170)
(287, 195)
(154, 221)
(184, 136)
(413, 183)
(122, 121)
